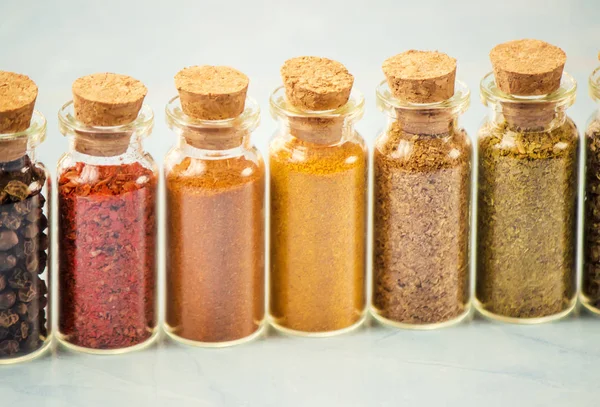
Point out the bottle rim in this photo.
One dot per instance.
(352, 111)
(594, 84)
(564, 96)
(141, 126)
(388, 103)
(35, 133)
(248, 120)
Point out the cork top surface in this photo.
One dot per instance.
(16, 91)
(109, 88)
(107, 99)
(527, 57)
(528, 67)
(421, 76)
(316, 83)
(419, 65)
(211, 80)
(212, 92)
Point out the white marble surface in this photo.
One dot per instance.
(476, 364)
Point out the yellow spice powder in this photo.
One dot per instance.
(318, 234)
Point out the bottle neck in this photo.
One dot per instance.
(215, 138)
(104, 144)
(327, 127)
(318, 130)
(425, 121)
(12, 149)
(539, 116)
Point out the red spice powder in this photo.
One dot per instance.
(107, 258)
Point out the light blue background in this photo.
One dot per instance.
(475, 364)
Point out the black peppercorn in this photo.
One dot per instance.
(8, 239)
(7, 299)
(23, 295)
(7, 261)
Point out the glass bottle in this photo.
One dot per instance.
(421, 208)
(318, 184)
(25, 323)
(527, 205)
(215, 181)
(107, 187)
(590, 288)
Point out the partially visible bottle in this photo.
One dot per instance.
(107, 186)
(215, 190)
(318, 182)
(590, 288)
(25, 328)
(422, 195)
(527, 187)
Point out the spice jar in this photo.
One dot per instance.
(527, 196)
(590, 288)
(318, 181)
(24, 189)
(215, 180)
(106, 218)
(421, 205)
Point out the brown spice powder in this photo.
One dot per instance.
(318, 209)
(421, 226)
(527, 215)
(215, 261)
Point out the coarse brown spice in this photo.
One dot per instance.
(215, 261)
(527, 215)
(421, 225)
(591, 266)
(318, 209)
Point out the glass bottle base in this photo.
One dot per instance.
(30, 356)
(588, 305)
(189, 342)
(524, 321)
(293, 332)
(422, 327)
(64, 342)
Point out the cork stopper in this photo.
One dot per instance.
(17, 100)
(527, 67)
(421, 76)
(212, 92)
(314, 83)
(107, 99)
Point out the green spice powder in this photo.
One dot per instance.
(526, 223)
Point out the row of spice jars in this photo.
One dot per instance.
(215, 182)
